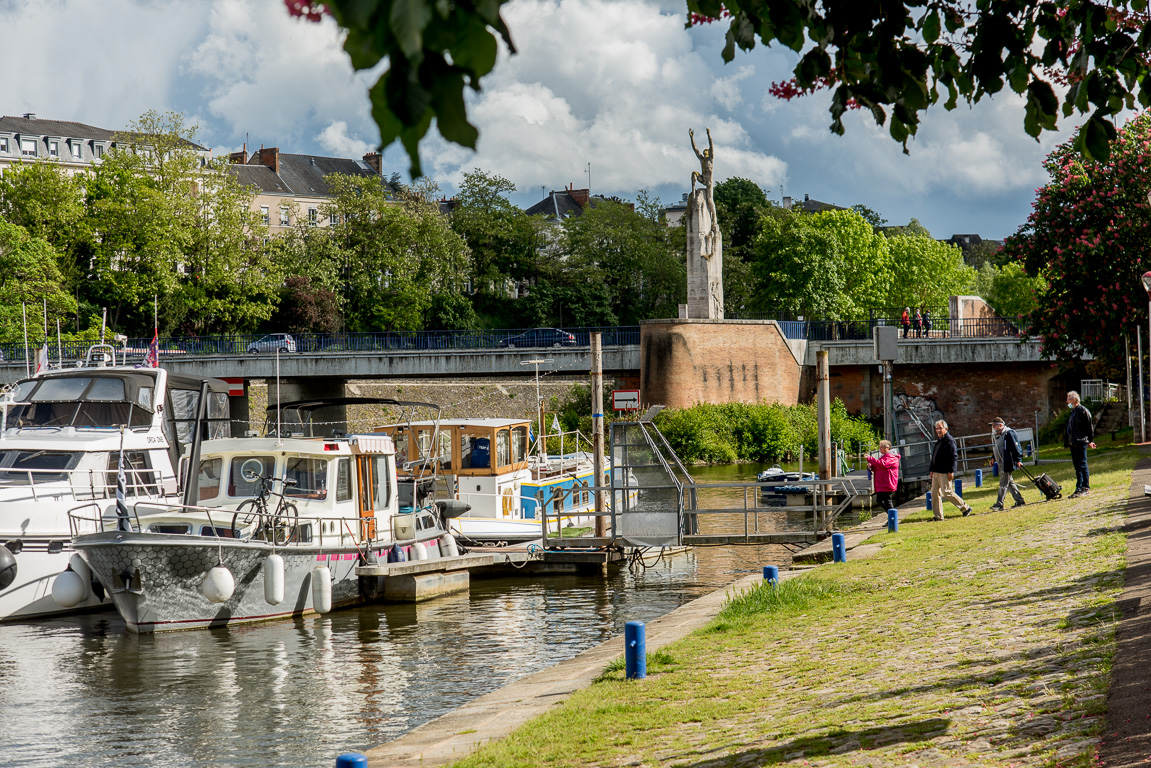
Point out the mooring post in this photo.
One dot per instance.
(352, 760)
(959, 487)
(597, 434)
(634, 651)
(979, 478)
(892, 520)
(995, 469)
(823, 413)
(771, 575)
(838, 548)
(927, 501)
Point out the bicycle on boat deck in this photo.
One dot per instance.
(281, 526)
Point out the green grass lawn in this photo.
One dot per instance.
(984, 640)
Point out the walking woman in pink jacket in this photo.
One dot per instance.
(885, 469)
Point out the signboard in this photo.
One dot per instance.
(625, 400)
(235, 387)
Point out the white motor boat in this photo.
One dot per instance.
(486, 463)
(277, 530)
(64, 434)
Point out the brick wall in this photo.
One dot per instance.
(683, 362)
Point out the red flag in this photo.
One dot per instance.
(153, 358)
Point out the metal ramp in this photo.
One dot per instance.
(652, 493)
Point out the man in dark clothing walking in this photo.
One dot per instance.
(1081, 436)
(1007, 451)
(944, 461)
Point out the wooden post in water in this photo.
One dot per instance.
(597, 431)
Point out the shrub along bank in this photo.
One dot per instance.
(722, 434)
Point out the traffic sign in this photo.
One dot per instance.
(625, 400)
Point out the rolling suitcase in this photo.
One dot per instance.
(1048, 487)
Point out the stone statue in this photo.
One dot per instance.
(704, 241)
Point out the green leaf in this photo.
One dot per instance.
(475, 50)
(451, 114)
(408, 19)
(1095, 137)
(931, 26)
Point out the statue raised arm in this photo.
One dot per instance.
(704, 174)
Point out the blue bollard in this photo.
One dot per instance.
(892, 520)
(352, 760)
(928, 501)
(838, 548)
(979, 478)
(959, 487)
(634, 651)
(771, 575)
(995, 469)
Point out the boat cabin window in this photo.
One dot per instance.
(503, 448)
(475, 450)
(343, 479)
(138, 475)
(519, 443)
(41, 466)
(219, 533)
(311, 476)
(444, 441)
(245, 472)
(400, 438)
(208, 481)
(84, 401)
(382, 496)
(184, 407)
(177, 528)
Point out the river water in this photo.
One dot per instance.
(85, 692)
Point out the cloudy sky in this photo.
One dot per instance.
(611, 83)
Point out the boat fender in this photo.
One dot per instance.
(274, 580)
(448, 546)
(396, 554)
(7, 567)
(419, 551)
(322, 589)
(77, 564)
(450, 508)
(219, 585)
(69, 589)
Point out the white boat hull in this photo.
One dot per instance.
(30, 595)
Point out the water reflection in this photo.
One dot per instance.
(86, 692)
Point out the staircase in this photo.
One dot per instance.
(1112, 417)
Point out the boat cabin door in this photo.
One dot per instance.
(366, 473)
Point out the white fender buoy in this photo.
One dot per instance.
(419, 551)
(77, 564)
(322, 589)
(448, 546)
(219, 584)
(69, 589)
(274, 580)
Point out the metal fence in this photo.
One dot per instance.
(1101, 391)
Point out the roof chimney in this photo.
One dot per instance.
(269, 157)
(579, 196)
(806, 198)
(373, 161)
(240, 157)
(29, 115)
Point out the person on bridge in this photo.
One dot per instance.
(944, 462)
(1009, 454)
(905, 321)
(1081, 436)
(927, 323)
(885, 469)
(918, 324)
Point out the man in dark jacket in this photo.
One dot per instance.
(1081, 436)
(944, 461)
(1005, 446)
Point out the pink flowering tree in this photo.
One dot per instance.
(1089, 238)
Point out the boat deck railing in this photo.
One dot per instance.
(84, 484)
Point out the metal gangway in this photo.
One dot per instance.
(655, 501)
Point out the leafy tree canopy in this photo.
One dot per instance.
(1088, 235)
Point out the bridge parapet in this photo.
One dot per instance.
(929, 351)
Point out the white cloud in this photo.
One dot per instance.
(614, 84)
(336, 140)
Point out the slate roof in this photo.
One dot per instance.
(557, 206)
(304, 174)
(260, 177)
(63, 128)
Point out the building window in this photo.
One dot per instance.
(98, 151)
(28, 147)
(75, 149)
(53, 149)
(264, 213)
(284, 221)
(4, 144)
(313, 216)
(333, 219)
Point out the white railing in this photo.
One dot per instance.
(1102, 391)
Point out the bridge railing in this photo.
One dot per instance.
(385, 341)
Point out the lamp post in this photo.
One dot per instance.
(1146, 280)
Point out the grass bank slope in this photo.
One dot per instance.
(984, 640)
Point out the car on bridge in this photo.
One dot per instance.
(539, 337)
(273, 342)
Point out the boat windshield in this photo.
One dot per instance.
(101, 401)
(24, 467)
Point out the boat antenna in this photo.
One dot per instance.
(279, 432)
(24, 312)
